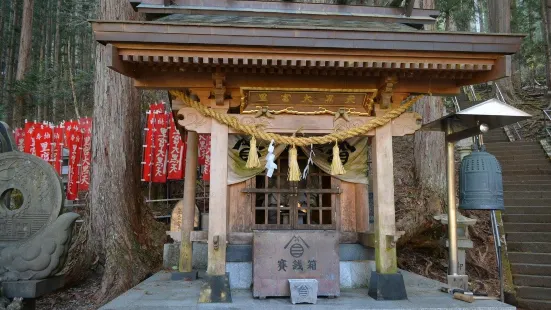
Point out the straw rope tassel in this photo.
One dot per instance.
(336, 166)
(294, 170)
(253, 161)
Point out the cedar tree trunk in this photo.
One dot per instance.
(499, 12)
(25, 45)
(121, 227)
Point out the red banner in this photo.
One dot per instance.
(160, 147)
(86, 149)
(19, 135)
(206, 155)
(73, 142)
(149, 143)
(57, 148)
(176, 153)
(44, 142)
(31, 130)
(204, 144)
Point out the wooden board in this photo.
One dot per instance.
(347, 207)
(240, 213)
(362, 207)
(295, 254)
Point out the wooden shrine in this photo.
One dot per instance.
(260, 69)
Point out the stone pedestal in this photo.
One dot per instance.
(387, 286)
(216, 289)
(463, 243)
(31, 289)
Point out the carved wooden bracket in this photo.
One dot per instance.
(219, 91)
(386, 91)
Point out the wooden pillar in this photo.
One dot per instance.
(218, 199)
(188, 213)
(383, 189)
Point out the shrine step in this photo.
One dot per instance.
(527, 194)
(532, 269)
(533, 281)
(527, 172)
(529, 258)
(531, 247)
(527, 237)
(531, 160)
(527, 218)
(512, 145)
(534, 304)
(527, 210)
(526, 179)
(504, 153)
(527, 166)
(529, 201)
(527, 227)
(517, 157)
(526, 187)
(537, 293)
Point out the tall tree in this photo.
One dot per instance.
(429, 146)
(120, 225)
(499, 13)
(546, 27)
(23, 64)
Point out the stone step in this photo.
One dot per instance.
(533, 281)
(526, 218)
(529, 247)
(531, 171)
(527, 237)
(528, 202)
(527, 179)
(528, 227)
(534, 304)
(531, 269)
(539, 293)
(520, 157)
(509, 144)
(528, 161)
(504, 153)
(529, 258)
(529, 167)
(527, 210)
(526, 194)
(526, 187)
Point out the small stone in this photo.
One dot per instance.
(303, 291)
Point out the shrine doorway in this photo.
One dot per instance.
(309, 204)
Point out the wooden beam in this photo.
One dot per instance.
(114, 62)
(188, 214)
(197, 81)
(405, 124)
(383, 189)
(218, 200)
(501, 69)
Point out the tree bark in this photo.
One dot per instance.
(430, 160)
(11, 65)
(25, 46)
(56, 62)
(546, 27)
(499, 13)
(121, 227)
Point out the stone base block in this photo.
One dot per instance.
(458, 281)
(32, 288)
(216, 289)
(387, 286)
(303, 291)
(184, 276)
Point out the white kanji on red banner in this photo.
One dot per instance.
(73, 139)
(176, 153)
(86, 154)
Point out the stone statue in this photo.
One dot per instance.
(34, 238)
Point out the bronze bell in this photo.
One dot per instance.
(480, 182)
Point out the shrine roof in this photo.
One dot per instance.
(282, 22)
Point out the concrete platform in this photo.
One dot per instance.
(158, 292)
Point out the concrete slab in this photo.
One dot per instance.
(158, 292)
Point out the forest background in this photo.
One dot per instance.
(52, 70)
